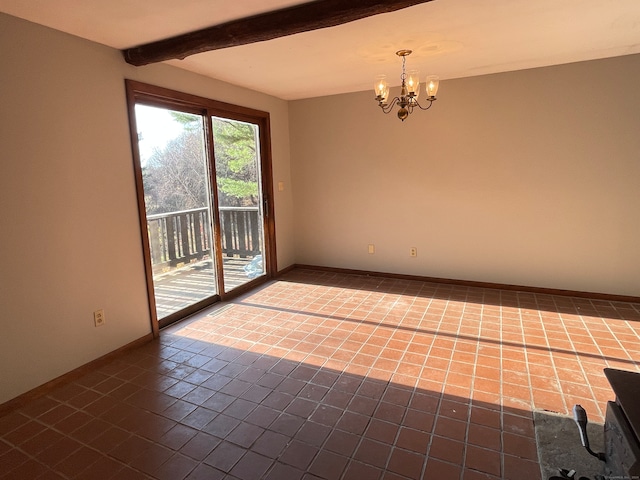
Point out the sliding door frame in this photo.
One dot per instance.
(138, 92)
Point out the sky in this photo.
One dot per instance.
(156, 127)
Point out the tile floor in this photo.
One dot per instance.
(330, 376)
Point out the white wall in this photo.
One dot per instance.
(525, 178)
(70, 241)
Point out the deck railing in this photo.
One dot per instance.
(182, 237)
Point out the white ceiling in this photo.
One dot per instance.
(450, 38)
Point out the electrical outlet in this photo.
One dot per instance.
(372, 248)
(413, 252)
(98, 318)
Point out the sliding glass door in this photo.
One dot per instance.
(177, 200)
(204, 180)
(237, 167)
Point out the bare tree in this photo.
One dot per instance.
(176, 177)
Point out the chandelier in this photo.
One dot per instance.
(409, 90)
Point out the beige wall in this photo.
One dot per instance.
(523, 178)
(500, 182)
(70, 241)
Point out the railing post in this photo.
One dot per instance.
(197, 233)
(184, 236)
(227, 230)
(241, 233)
(154, 240)
(255, 232)
(171, 239)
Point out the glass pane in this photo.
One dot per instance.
(237, 154)
(177, 199)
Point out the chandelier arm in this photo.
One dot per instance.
(389, 107)
(410, 106)
(428, 106)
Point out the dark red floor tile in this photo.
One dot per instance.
(487, 461)
(413, 440)
(298, 454)
(406, 463)
(201, 445)
(451, 451)
(373, 453)
(225, 456)
(282, 471)
(328, 465)
(485, 437)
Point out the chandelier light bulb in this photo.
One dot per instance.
(432, 85)
(413, 83)
(381, 87)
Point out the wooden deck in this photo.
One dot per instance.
(194, 282)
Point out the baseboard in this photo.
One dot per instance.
(68, 377)
(470, 283)
(285, 270)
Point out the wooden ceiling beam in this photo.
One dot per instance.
(267, 26)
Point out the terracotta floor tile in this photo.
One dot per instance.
(406, 463)
(177, 437)
(131, 448)
(244, 435)
(177, 467)
(178, 410)
(313, 433)
(438, 469)
(282, 471)
(485, 437)
(448, 450)
(287, 424)
(201, 445)
(53, 416)
(359, 471)
(382, 431)
(40, 406)
(24, 432)
(353, 423)
(298, 454)
(58, 451)
(342, 442)
(483, 460)
(199, 418)
(73, 422)
(520, 446)
(78, 461)
(469, 474)
(270, 444)
(450, 428)
(104, 468)
(413, 440)
(516, 468)
(13, 459)
(328, 465)
(251, 466)
(389, 412)
(262, 416)
(489, 417)
(320, 376)
(224, 456)
(373, 453)
(41, 441)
